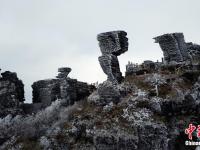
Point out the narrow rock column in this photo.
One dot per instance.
(67, 86)
(112, 44)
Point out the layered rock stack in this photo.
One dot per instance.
(64, 88)
(176, 50)
(46, 91)
(63, 72)
(67, 86)
(11, 94)
(173, 46)
(112, 44)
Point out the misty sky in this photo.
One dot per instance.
(38, 36)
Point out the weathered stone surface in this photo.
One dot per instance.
(68, 91)
(110, 66)
(46, 91)
(132, 69)
(108, 93)
(63, 72)
(64, 88)
(143, 120)
(173, 46)
(155, 134)
(176, 50)
(83, 90)
(194, 51)
(112, 44)
(147, 66)
(11, 94)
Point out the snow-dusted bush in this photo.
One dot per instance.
(34, 125)
(156, 80)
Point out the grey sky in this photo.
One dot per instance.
(38, 36)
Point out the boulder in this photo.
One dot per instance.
(11, 94)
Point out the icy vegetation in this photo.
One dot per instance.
(148, 109)
(138, 118)
(34, 125)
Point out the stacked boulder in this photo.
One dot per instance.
(176, 50)
(112, 44)
(11, 94)
(173, 46)
(63, 72)
(64, 88)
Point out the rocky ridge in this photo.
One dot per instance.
(148, 109)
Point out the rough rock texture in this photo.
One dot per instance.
(46, 91)
(63, 72)
(64, 88)
(175, 49)
(194, 51)
(106, 93)
(11, 94)
(72, 90)
(125, 117)
(112, 44)
(146, 67)
(183, 103)
(173, 46)
(149, 111)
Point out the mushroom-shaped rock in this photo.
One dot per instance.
(112, 44)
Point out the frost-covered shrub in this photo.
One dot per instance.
(34, 125)
(156, 80)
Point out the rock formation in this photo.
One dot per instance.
(176, 50)
(146, 67)
(112, 44)
(63, 72)
(106, 93)
(173, 46)
(11, 94)
(64, 88)
(149, 110)
(46, 91)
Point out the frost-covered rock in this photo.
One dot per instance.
(11, 94)
(108, 93)
(44, 142)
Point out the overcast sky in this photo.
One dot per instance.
(38, 36)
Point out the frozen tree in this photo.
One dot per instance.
(156, 80)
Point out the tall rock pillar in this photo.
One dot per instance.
(112, 44)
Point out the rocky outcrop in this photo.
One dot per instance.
(63, 72)
(64, 88)
(112, 44)
(187, 103)
(106, 93)
(176, 50)
(147, 66)
(46, 91)
(173, 46)
(11, 94)
(146, 112)
(72, 90)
